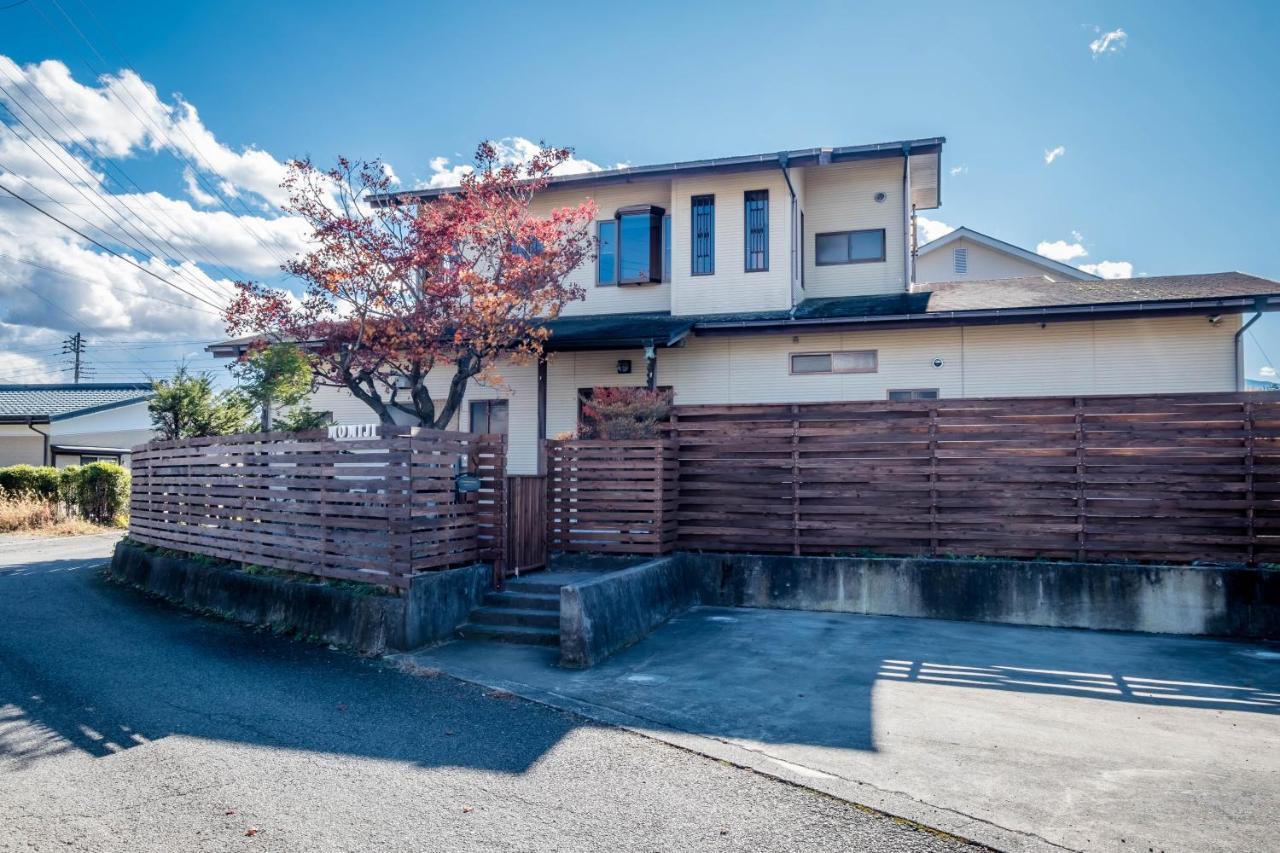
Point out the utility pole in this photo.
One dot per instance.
(74, 347)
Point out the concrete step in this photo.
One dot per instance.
(532, 618)
(511, 634)
(534, 584)
(523, 600)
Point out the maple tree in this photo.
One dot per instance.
(395, 288)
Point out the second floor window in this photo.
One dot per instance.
(756, 230)
(704, 234)
(634, 247)
(607, 256)
(850, 247)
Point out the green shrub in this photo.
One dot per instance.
(30, 482)
(100, 491)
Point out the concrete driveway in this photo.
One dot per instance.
(1023, 738)
(127, 725)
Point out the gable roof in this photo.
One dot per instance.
(966, 233)
(924, 156)
(58, 401)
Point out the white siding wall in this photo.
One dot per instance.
(841, 197)
(20, 446)
(731, 288)
(984, 263)
(611, 299)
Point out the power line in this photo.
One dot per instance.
(104, 247)
(108, 165)
(210, 189)
(74, 347)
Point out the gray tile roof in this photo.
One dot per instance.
(57, 401)
(1036, 292)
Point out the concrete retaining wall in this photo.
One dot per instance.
(1218, 601)
(600, 616)
(431, 610)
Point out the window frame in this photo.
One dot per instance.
(848, 235)
(655, 261)
(889, 392)
(613, 275)
(749, 197)
(831, 354)
(710, 203)
(488, 404)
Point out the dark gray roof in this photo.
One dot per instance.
(607, 331)
(747, 162)
(60, 401)
(1036, 291)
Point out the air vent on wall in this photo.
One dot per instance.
(960, 261)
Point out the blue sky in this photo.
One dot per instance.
(1168, 136)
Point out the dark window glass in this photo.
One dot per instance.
(757, 230)
(850, 247)
(900, 395)
(607, 265)
(704, 234)
(635, 246)
(666, 248)
(489, 416)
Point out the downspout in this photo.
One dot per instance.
(44, 452)
(795, 217)
(1238, 340)
(906, 217)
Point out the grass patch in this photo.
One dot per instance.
(42, 518)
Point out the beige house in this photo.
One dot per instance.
(788, 277)
(72, 424)
(968, 255)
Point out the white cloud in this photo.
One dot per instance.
(928, 230)
(1109, 269)
(511, 149)
(1077, 236)
(1061, 250)
(1051, 154)
(961, 169)
(1110, 42)
(1267, 372)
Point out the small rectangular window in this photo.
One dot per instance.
(489, 417)
(756, 230)
(960, 261)
(607, 256)
(846, 361)
(902, 395)
(850, 247)
(703, 248)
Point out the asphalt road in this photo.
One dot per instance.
(126, 724)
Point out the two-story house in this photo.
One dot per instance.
(787, 277)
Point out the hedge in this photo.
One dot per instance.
(98, 491)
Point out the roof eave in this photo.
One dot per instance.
(993, 316)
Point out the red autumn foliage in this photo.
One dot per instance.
(395, 291)
(625, 413)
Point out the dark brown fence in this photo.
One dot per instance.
(611, 496)
(526, 536)
(373, 509)
(1173, 478)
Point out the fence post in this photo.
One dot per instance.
(795, 480)
(1251, 552)
(1081, 508)
(933, 481)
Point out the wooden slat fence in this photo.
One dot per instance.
(1166, 478)
(526, 541)
(376, 510)
(612, 497)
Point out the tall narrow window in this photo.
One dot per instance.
(607, 257)
(666, 248)
(757, 230)
(704, 234)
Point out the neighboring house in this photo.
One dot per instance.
(788, 278)
(968, 255)
(72, 424)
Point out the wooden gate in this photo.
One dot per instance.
(526, 546)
